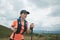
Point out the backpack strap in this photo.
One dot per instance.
(25, 26)
(19, 26)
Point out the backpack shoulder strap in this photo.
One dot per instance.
(19, 25)
(25, 25)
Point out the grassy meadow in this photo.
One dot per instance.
(5, 33)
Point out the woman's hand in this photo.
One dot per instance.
(14, 30)
(31, 26)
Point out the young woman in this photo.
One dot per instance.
(20, 26)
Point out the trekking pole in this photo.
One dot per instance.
(31, 33)
(31, 28)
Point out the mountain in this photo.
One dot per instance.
(4, 31)
(47, 32)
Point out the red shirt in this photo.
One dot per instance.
(17, 36)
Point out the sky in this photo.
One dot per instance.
(45, 14)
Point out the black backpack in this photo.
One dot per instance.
(19, 26)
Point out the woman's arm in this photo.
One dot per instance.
(30, 28)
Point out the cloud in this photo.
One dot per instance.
(51, 24)
(51, 21)
(44, 13)
(45, 3)
(55, 11)
(9, 11)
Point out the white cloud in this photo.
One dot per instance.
(9, 10)
(51, 23)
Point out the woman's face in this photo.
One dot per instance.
(23, 15)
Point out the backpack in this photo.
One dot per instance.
(19, 26)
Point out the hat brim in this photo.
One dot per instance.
(24, 11)
(27, 12)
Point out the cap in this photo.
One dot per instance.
(24, 11)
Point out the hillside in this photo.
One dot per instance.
(4, 31)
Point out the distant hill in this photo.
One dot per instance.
(46, 32)
(4, 31)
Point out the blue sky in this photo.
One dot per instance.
(44, 13)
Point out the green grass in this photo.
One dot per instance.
(5, 33)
